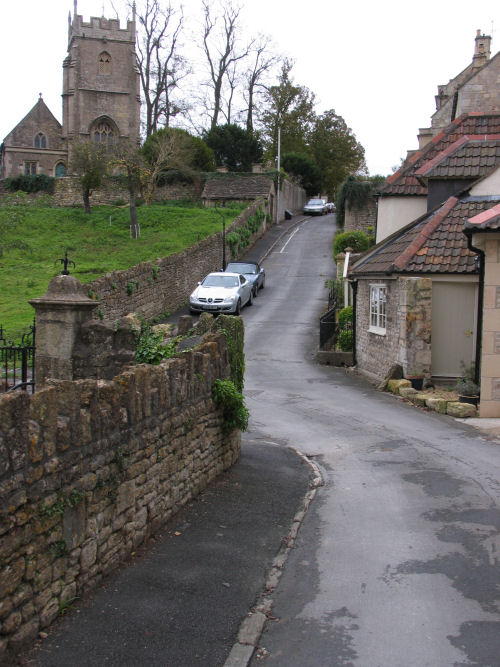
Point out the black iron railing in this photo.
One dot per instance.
(17, 361)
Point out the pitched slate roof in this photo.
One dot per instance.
(239, 187)
(472, 125)
(435, 243)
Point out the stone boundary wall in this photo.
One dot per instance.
(292, 197)
(68, 193)
(153, 288)
(362, 218)
(90, 468)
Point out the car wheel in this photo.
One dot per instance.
(237, 310)
(263, 284)
(255, 291)
(250, 298)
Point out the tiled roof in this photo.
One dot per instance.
(237, 187)
(469, 157)
(405, 181)
(435, 243)
(488, 220)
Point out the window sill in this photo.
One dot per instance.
(377, 331)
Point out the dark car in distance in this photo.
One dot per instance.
(252, 272)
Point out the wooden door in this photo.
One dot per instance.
(453, 327)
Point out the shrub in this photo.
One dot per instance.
(150, 348)
(235, 412)
(356, 240)
(345, 340)
(345, 316)
(35, 183)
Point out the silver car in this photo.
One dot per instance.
(221, 293)
(315, 207)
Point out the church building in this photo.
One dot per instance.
(101, 100)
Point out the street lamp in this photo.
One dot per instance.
(221, 213)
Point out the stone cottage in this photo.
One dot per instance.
(418, 292)
(473, 92)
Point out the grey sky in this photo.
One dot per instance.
(377, 64)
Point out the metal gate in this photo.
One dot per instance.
(17, 361)
(328, 328)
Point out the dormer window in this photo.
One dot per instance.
(104, 63)
(40, 140)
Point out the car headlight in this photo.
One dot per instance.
(229, 299)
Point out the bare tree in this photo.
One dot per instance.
(262, 62)
(161, 66)
(222, 54)
(128, 158)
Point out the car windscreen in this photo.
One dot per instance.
(241, 268)
(315, 202)
(220, 281)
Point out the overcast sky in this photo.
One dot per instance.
(378, 64)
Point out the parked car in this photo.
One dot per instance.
(315, 207)
(221, 292)
(252, 272)
(330, 206)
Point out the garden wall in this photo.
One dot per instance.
(90, 468)
(153, 288)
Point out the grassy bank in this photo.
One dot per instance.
(97, 243)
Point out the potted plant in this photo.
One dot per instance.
(468, 391)
(416, 377)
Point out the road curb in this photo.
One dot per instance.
(252, 626)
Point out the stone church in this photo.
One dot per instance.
(101, 100)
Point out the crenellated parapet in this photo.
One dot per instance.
(101, 28)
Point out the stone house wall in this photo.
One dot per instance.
(90, 468)
(152, 288)
(407, 340)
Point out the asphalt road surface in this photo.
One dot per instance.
(397, 562)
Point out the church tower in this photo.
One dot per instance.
(101, 87)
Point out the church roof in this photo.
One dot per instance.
(38, 116)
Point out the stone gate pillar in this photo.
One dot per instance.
(60, 312)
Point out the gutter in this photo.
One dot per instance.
(480, 306)
(354, 285)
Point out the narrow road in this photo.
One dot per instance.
(397, 562)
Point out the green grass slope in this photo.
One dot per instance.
(98, 244)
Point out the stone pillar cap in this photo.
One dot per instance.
(65, 290)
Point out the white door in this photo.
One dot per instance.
(453, 327)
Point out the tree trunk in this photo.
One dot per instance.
(135, 230)
(86, 200)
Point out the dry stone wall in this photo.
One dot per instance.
(153, 288)
(89, 468)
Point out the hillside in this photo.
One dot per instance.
(97, 244)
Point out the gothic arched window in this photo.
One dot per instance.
(104, 63)
(40, 140)
(60, 170)
(103, 133)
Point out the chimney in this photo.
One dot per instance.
(482, 50)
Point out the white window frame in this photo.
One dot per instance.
(378, 309)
